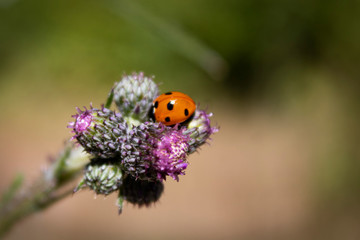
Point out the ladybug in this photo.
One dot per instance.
(172, 107)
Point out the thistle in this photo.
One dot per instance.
(123, 152)
(101, 177)
(171, 153)
(131, 154)
(100, 131)
(199, 130)
(133, 96)
(153, 151)
(136, 152)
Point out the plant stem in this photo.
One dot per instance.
(18, 203)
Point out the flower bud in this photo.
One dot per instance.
(100, 131)
(101, 177)
(199, 130)
(136, 151)
(134, 94)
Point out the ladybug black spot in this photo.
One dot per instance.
(170, 106)
(167, 119)
(186, 112)
(156, 104)
(168, 93)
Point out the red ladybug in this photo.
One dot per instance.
(173, 107)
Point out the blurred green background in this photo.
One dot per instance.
(281, 77)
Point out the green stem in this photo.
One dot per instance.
(14, 187)
(28, 205)
(18, 203)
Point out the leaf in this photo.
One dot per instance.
(109, 98)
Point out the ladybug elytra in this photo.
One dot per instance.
(173, 107)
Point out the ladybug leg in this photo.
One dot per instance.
(151, 114)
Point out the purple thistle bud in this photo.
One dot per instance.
(100, 131)
(199, 130)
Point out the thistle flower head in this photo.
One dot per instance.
(153, 151)
(199, 130)
(83, 121)
(99, 131)
(101, 177)
(170, 154)
(134, 94)
(136, 150)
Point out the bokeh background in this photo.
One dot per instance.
(281, 77)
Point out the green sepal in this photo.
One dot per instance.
(119, 203)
